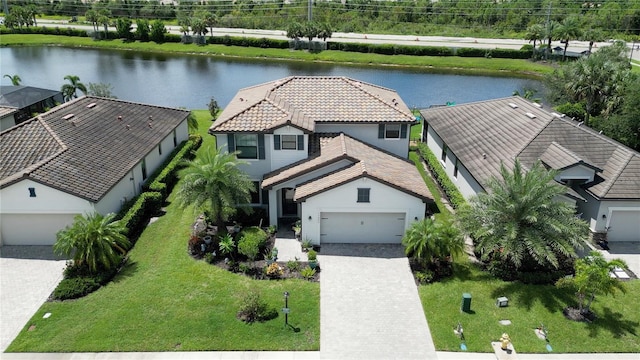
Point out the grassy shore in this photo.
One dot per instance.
(164, 300)
(480, 66)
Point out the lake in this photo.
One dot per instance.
(190, 81)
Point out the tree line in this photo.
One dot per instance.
(455, 17)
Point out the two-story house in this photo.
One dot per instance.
(331, 151)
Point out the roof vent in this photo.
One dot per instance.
(530, 115)
(484, 155)
(557, 115)
(539, 106)
(513, 106)
(68, 116)
(92, 105)
(580, 123)
(120, 117)
(128, 127)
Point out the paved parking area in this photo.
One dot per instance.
(369, 305)
(28, 275)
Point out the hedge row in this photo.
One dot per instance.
(166, 177)
(135, 215)
(454, 195)
(384, 49)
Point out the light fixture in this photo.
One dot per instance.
(415, 218)
(604, 216)
(309, 217)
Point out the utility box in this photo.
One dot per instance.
(502, 302)
(466, 303)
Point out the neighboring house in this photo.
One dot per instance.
(331, 151)
(26, 101)
(7, 117)
(88, 155)
(602, 177)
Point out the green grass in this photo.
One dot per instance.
(442, 213)
(164, 300)
(617, 328)
(479, 66)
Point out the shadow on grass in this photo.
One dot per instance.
(552, 298)
(468, 271)
(615, 323)
(128, 270)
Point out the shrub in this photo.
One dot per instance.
(424, 277)
(209, 258)
(227, 246)
(244, 268)
(74, 288)
(471, 52)
(312, 255)
(306, 244)
(252, 242)
(136, 217)
(274, 271)
(254, 308)
(165, 178)
(293, 265)
(441, 177)
(308, 273)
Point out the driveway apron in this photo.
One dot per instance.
(28, 275)
(369, 305)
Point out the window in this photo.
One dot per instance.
(289, 142)
(443, 156)
(392, 131)
(32, 192)
(255, 195)
(159, 149)
(455, 170)
(247, 145)
(144, 169)
(363, 195)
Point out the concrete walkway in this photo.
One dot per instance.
(369, 304)
(28, 275)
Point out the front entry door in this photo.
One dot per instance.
(289, 207)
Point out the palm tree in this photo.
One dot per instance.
(520, 221)
(592, 35)
(593, 277)
(213, 183)
(550, 31)
(431, 242)
(92, 17)
(569, 29)
(15, 79)
(534, 33)
(69, 90)
(93, 240)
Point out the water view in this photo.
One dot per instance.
(189, 81)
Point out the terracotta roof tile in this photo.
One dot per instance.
(307, 100)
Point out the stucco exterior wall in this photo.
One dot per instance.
(344, 199)
(369, 133)
(282, 157)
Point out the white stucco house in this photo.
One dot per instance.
(88, 155)
(330, 151)
(602, 176)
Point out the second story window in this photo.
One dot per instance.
(392, 131)
(247, 145)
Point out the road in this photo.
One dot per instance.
(458, 42)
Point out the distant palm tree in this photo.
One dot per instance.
(213, 183)
(534, 33)
(592, 35)
(520, 221)
(69, 90)
(93, 240)
(15, 79)
(569, 29)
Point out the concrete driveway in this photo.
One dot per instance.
(28, 275)
(369, 305)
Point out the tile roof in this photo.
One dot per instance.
(365, 161)
(558, 157)
(507, 128)
(84, 147)
(303, 101)
(484, 134)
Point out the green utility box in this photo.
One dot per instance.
(466, 303)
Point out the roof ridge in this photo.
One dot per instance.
(376, 97)
(518, 153)
(603, 137)
(619, 171)
(343, 143)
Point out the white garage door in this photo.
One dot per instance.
(624, 226)
(382, 228)
(26, 229)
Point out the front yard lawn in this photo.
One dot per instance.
(617, 328)
(164, 300)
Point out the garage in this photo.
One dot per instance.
(30, 229)
(624, 226)
(380, 228)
